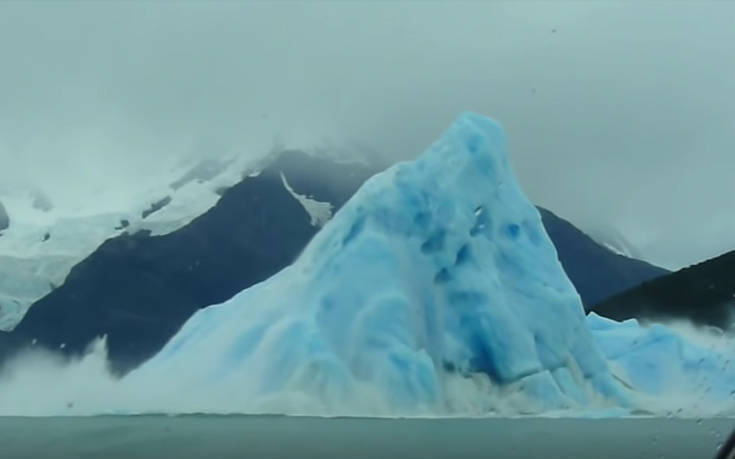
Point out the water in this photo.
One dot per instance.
(223, 437)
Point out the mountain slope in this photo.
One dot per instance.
(703, 293)
(596, 271)
(45, 241)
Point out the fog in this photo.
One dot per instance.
(619, 115)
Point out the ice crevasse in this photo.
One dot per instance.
(435, 289)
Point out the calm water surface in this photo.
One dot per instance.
(215, 437)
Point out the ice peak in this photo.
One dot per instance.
(436, 273)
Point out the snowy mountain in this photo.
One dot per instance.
(615, 240)
(703, 293)
(160, 263)
(42, 243)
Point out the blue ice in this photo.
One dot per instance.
(689, 371)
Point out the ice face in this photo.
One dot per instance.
(678, 369)
(437, 272)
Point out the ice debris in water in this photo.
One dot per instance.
(672, 368)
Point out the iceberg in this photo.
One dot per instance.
(435, 289)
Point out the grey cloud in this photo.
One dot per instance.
(619, 115)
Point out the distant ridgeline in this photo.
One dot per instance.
(703, 293)
(139, 289)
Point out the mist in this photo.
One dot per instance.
(38, 382)
(619, 115)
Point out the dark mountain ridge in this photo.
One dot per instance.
(703, 293)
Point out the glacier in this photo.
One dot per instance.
(436, 275)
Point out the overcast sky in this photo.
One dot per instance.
(620, 116)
